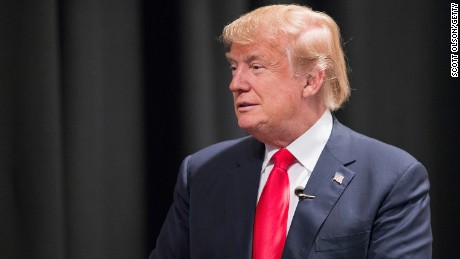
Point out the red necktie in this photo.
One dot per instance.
(272, 210)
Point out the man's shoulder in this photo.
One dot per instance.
(224, 146)
(228, 150)
(370, 147)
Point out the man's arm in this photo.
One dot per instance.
(173, 241)
(402, 228)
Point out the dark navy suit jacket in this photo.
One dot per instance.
(380, 210)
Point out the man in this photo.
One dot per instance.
(358, 197)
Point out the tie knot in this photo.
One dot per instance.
(283, 159)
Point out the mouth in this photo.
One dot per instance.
(243, 106)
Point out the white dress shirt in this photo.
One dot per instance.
(306, 149)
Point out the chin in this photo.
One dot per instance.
(246, 126)
(250, 127)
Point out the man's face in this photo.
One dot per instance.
(267, 96)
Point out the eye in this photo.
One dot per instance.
(257, 67)
(232, 68)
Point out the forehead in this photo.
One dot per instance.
(251, 51)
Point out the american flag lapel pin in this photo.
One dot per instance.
(338, 177)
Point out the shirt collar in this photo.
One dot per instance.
(308, 147)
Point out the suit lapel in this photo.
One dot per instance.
(241, 193)
(311, 213)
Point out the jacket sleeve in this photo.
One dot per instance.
(402, 228)
(173, 240)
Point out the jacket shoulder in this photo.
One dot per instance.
(226, 154)
(372, 149)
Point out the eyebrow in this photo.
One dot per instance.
(247, 59)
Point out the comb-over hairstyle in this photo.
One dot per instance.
(311, 40)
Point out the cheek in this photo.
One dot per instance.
(285, 102)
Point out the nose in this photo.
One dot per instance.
(239, 81)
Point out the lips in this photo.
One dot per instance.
(242, 106)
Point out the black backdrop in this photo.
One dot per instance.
(101, 100)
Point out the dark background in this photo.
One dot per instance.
(101, 100)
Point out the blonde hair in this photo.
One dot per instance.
(312, 40)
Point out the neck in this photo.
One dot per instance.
(283, 136)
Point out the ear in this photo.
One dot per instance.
(313, 83)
